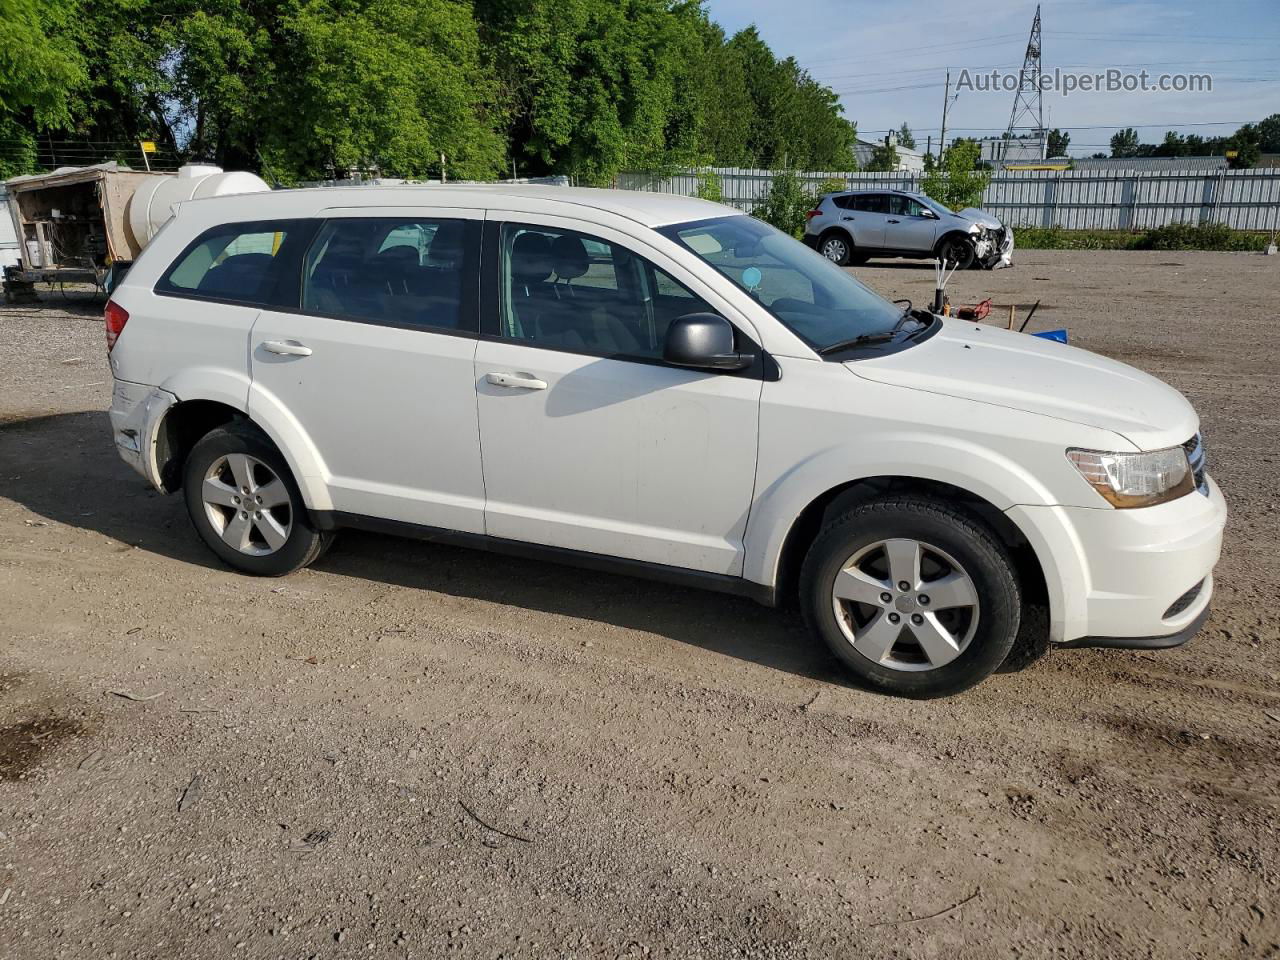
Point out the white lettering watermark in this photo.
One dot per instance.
(1065, 83)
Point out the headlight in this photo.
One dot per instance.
(1135, 479)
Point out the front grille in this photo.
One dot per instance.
(1199, 461)
(1184, 601)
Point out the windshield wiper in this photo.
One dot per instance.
(881, 336)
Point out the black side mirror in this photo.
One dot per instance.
(703, 341)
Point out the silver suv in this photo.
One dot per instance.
(854, 226)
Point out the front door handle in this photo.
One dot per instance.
(516, 381)
(286, 348)
(895, 221)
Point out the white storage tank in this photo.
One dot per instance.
(152, 202)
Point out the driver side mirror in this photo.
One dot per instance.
(928, 214)
(703, 341)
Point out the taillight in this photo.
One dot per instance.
(115, 317)
(810, 214)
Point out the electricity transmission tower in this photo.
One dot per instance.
(1028, 100)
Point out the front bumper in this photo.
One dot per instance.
(136, 413)
(999, 252)
(1126, 577)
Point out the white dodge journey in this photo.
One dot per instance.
(662, 386)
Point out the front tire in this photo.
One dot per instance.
(957, 250)
(914, 596)
(245, 505)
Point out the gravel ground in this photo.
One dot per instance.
(412, 750)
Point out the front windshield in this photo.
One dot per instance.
(813, 297)
(932, 204)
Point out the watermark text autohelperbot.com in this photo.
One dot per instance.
(1065, 83)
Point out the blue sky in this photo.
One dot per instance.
(888, 60)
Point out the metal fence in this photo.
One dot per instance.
(1072, 199)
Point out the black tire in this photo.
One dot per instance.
(303, 543)
(956, 532)
(836, 246)
(1032, 642)
(958, 250)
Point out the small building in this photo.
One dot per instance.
(909, 161)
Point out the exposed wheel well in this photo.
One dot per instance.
(182, 427)
(806, 527)
(950, 235)
(844, 234)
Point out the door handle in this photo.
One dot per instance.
(286, 348)
(516, 381)
(895, 221)
(846, 218)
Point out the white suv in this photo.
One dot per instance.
(657, 385)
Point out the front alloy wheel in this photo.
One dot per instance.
(915, 596)
(905, 605)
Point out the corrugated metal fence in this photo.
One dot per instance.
(1072, 199)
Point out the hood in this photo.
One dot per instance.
(980, 217)
(1023, 372)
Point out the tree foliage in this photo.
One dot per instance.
(322, 88)
(1057, 143)
(955, 181)
(884, 159)
(906, 137)
(785, 204)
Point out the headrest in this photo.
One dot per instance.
(569, 257)
(530, 258)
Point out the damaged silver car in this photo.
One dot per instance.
(853, 226)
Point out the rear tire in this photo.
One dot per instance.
(952, 626)
(245, 505)
(836, 247)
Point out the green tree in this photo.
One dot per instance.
(710, 186)
(1269, 134)
(1124, 143)
(906, 137)
(389, 89)
(884, 159)
(1057, 143)
(785, 204)
(39, 69)
(955, 181)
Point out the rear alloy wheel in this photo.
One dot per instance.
(957, 251)
(245, 505)
(836, 249)
(914, 596)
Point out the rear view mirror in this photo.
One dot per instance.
(703, 341)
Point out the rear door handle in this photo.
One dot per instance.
(286, 348)
(846, 218)
(895, 221)
(516, 381)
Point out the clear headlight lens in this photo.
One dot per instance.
(1135, 479)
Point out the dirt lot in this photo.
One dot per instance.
(662, 772)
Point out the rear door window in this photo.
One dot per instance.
(871, 203)
(236, 263)
(410, 272)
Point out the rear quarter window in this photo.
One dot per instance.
(236, 263)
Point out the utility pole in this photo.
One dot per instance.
(946, 102)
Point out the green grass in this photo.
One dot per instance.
(1177, 236)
